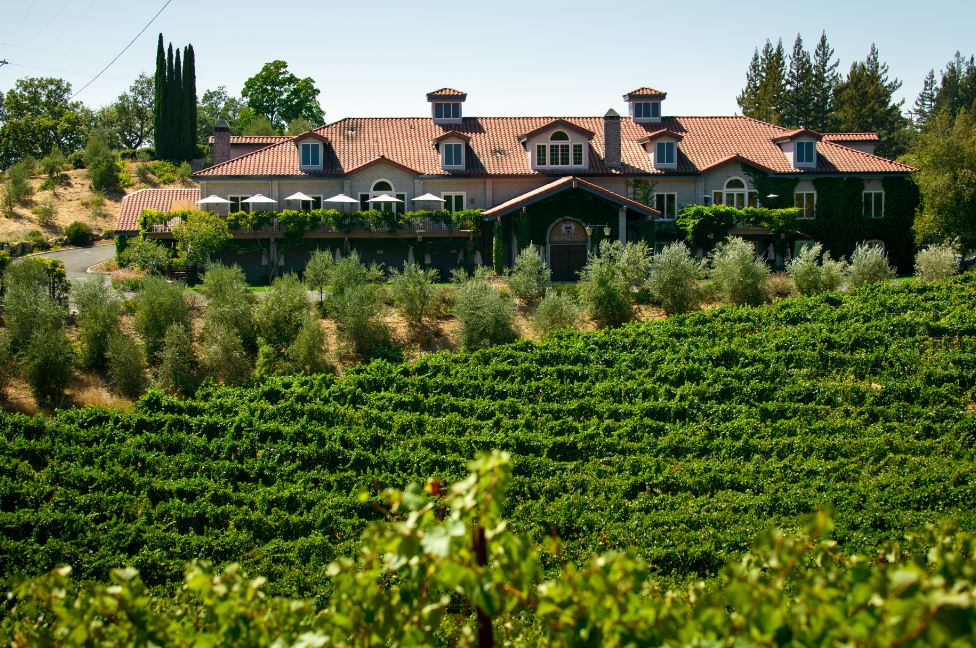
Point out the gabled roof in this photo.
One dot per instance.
(562, 184)
(664, 132)
(444, 93)
(160, 199)
(383, 159)
(312, 134)
(558, 123)
(645, 93)
(495, 149)
(793, 134)
(450, 134)
(850, 137)
(254, 139)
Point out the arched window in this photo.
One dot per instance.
(559, 152)
(379, 188)
(559, 136)
(735, 194)
(735, 183)
(382, 185)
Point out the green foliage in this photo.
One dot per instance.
(96, 205)
(200, 235)
(530, 276)
(498, 248)
(739, 275)
(78, 233)
(175, 103)
(280, 315)
(164, 171)
(936, 262)
(413, 293)
(230, 302)
(813, 272)
(29, 303)
(52, 166)
(446, 563)
(46, 212)
(47, 362)
(317, 269)
(674, 279)
(356, 304)
(557, 311)
(8, 366)
(485, 316)
(130, 117)
(222, 353)
(98, 321)
(307, 354)
(280, 96)
(17, 189)
(705, 227)
(38, 115)
(604, 289)
(126, 366)
(296, 222)
(763, 96)
(105, 170)
(158, 306)
(869, 264)
(177, 371)
(145, 254)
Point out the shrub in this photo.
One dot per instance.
(222, 354)
(779, 286)
(102, 164)
(96, 205)
(7, 368)
(413, 293)
(98, 321)
(37, 240)
(184, 173)
(126, 366)
(530, 276)
(486, 317)
(47, 362)
(556, 312)
(177, 362)
(317, 269)
(143, 173)
(307, 354)
(282, 312)
(603, 288)
(17, 189)
(635, 261)
(46, 212)
(674, 279)
(52, 166)
(812, 275)
(79, 234)
(199, 235)
(28, 305)
(164, 171)
(869, 264)
(159, 305)
(146, 255)
(936, 262)
(357, 310)
(738, 274)
(230, 301)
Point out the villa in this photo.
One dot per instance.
(563, 183)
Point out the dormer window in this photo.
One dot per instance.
(806, 153)
(645, 104)
(644, 110)
(452, 155)
(445, 110)
(311, 153)
(559, 152)
(665, 154)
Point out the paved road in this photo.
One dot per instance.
(78, 260)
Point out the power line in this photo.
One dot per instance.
(141, 31)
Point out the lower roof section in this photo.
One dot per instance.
(563, 184)
(158, 199)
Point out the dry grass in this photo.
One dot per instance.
(85, 389)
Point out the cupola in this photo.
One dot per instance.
(645, 104)
(445, 105)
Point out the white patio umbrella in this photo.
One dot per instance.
(299, 196)
(384, 198)
(213, 200)
(342, 199)
(410, 257)
(258, 199)
(429, 197)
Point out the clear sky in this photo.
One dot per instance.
(521, 57)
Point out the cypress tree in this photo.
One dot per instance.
(824, 82)
(169, 107)
(179, 125)
(159, 98)
(799, 96)
(925, 103)
(189, 103)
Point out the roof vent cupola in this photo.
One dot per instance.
(645, 104)
(445, 105)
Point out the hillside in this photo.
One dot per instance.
(682, 439)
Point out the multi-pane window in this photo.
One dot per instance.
(453, 201)
(559, 152)
(647, 110)
(237, 204)
(806, 202)
(311, 155)
(314, 203)
(577, 155)
(735, 194)
(667, 204)
(664, 153)
(540, 155)
(453, 154)
(873, 204)
(447, 110)
(559, 155)
(805, 152)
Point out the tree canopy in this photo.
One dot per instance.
(281, 97)
(37, 116)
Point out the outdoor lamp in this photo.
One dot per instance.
(589, 230)
(773, 196)
(606, 230)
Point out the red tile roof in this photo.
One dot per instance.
(255, 139)
(447, 92)
(557, 123)
(850, 137)
(796, 133)
(566, 182)
(494, 148)
(660, 133)
(645, 92)
(161, 199)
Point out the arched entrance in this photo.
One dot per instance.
(567, 245)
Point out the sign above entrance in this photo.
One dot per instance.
(567, 231)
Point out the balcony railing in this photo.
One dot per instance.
(423, 224)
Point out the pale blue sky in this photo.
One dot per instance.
(521, 57)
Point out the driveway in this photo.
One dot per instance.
(78, 260)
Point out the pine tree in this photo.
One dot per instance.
(800, 95)
(925, 103)
(159, 100)
(747, 99)
(189, 104)
(957, 90)
(864, 102)
(824, 82)
(762, 98)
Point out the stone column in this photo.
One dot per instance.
(622, 224)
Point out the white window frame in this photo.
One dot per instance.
(449, 205)
(813, 154)
(451, 117)
(674, 202)
(301, 203)
(301, 155)
(663, 163)
(444, 164)
(550, 147)
(735, 193)
(810, 196)
(874, 203)
(241, 205)
(636, 109)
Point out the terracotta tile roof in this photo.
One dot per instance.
(494, 147)
(254, 139)
(161, 199)
(558, 123)
(645, 92)
(566, 182)
(797, 132)
(447, 92)
(661, 133)
(850, 137)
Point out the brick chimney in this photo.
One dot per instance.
(611, 138)
(221, 145)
